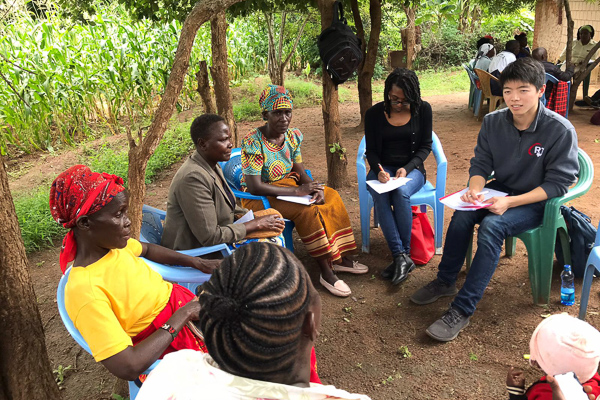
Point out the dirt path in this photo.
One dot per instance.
(363, 355)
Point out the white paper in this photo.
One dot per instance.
(392, 184)
(306, 200)
(453, 200)
(249, 216)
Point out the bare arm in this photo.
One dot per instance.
(162, 255)
(131, 362)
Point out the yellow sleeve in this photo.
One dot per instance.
(135, 247)
(100, 328)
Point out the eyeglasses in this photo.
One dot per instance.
(402, 103)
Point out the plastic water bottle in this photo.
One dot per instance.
(567, 287)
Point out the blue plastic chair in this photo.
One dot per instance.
(593, 265)
(232, 170)
(151, 232)
(474, 93)
(427, 196)
(554, 80)
(60, 300)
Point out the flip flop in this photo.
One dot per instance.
(357, 268)
(339, 289)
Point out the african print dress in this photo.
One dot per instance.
(324, 229)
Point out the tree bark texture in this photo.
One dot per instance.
(220, 73)
(337, 174)
(25, 371)
(367, 66)
(410, 32)
(204, 88)
(141, 150)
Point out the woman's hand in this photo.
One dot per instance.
(319, 197)
(383, 176)
(191, 310)
(308, 188)
(265, 223)
(472, 196)
(401, 173)
(206, 266)
(515, 378)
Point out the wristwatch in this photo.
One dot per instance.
(170, 329)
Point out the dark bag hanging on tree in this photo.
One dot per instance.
(422, 245)
(582, 235)
(339, 47)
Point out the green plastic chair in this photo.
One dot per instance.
(540, 241)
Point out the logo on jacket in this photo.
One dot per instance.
(536, 149)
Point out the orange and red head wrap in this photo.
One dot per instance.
(77, 192)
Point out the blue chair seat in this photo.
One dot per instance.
(593, 265)
(428, 195)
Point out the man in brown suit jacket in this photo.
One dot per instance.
(201, 207)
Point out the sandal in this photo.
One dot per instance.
(339, 289)
(357, 268)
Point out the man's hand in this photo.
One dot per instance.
(401, 173)
(515, 378)
(557, 394)
(206, 266)
(383, 176)
(499, 205)
(472, 196)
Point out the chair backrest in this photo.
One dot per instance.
(232, 169)
(152, 224)
(551, 78)
(60, 301)
(484, 79)
(472, 77)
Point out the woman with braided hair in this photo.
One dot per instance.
(260, 316)
(128, 315)
(398, 140)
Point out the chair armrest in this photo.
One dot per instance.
(223, 248)
(245, 195)
(178, 274)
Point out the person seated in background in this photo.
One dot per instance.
(201, 207)
(525, 51)
(260, 316)
(560, 344)
(525, 136)
(272, 166)
(484, 56)
(540, 54)
(581, 47)
(128, 315)
(398, 141)
(482, 40)
(501, 61)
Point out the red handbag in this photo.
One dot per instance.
(422, 245)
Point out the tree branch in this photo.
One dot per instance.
(14, 90)
(298, 37)
(18, 66)
(281, 34)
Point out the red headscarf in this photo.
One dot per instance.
(77, 192)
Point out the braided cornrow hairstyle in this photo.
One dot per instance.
(253, 308)
(406, 80)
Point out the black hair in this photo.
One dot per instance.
(525, 69)
(579, 32)
(406, 80)
(513, 46)
(200, 128)
(484, 40)
(253, 309)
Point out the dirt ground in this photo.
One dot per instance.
(361, 337)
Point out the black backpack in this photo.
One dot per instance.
(339, 47)
(582, 235)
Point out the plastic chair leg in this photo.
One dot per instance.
(469, 255)
(365, 219)
(438, 219)
(540, 262)
(477, 103)
(287, 235)
(510, 246)
(585, 290)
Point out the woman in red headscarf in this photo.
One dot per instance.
(126, 312)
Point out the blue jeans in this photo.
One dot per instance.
(393, 210)
(493, 230)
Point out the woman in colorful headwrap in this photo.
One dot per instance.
(560, 344)
(126, 312)
(272, 166)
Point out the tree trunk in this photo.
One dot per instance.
(25, 371)
(367, 66)
(337, 174)
(411, 41)
(219, 72)
(141, 149)
(204, 88)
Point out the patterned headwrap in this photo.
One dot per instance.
(77, 192)
(275, 98)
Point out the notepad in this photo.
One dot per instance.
(453, 200)
(306, 200)
(249, 216)
(392, 184)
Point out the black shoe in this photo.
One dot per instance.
(388, 272)
(403, 266)
(449, 326)
(433, 291)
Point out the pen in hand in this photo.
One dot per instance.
(382, 170)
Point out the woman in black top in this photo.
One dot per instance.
(398, 140)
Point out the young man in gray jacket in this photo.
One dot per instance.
(532, 152)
